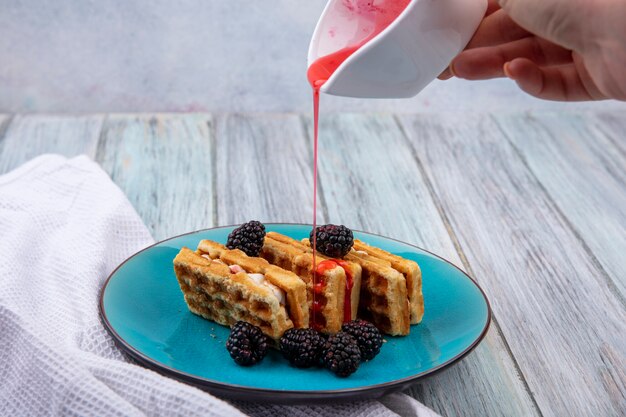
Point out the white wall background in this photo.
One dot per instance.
(191, 55)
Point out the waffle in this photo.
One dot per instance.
(330, 300)
(409, 269)
(213, 292)
(384, 296)
(290, 283)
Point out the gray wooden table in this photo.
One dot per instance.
(531, 205)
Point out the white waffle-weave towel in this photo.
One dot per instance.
(64, 226)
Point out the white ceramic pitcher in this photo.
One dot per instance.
(405, 57)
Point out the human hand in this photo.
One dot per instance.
(565, 50)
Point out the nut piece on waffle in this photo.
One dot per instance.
(408, 268)
(335, 297)
(227, 293)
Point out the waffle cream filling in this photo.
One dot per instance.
(260, 279)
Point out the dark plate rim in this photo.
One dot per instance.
(240, 392)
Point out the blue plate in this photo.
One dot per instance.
(143, 308)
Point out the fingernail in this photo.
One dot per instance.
(451, 68)
(445, 75)
(507, 71)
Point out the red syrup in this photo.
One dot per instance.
(316, 309)
(318, 73)
(376, 18)
(318, 288)
(317, 320)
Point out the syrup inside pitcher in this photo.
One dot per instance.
(349, 25)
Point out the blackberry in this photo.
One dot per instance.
(367, 337)
(332, 240)
(303, 348)
(342, 354)
(247, 344)
(248, 237)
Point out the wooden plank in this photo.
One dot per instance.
(264, 169)
(613, 125)
(31, 135)
(561, 320)
(163, 164)
(372, 181)
(584, 173)
(4, 124)
(5, 120)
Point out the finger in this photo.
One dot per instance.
(445, 75)
(495, 29)
(560, 83)
(492, 6)
(488, 62)
(560, 21)
(587, 80)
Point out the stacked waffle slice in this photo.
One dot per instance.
(227, 286)
(333, 292)
(285, 288)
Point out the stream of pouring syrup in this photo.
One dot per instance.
(384, 13)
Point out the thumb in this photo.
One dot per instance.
(563, 22)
